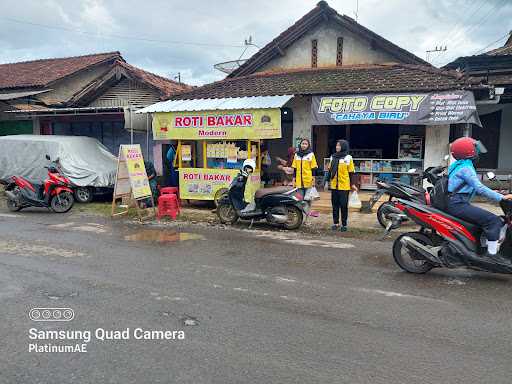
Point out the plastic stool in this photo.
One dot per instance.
(169, 190)
(168, 205)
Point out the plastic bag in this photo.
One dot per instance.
(311, 194)
(353, 201)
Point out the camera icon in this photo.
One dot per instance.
(51, 314)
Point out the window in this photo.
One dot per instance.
(339, 52)
(314, 53)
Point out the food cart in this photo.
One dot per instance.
(215, 137)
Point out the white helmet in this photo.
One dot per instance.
(249, 163)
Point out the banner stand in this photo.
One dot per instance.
(132, 185)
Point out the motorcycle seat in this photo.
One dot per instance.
(271, 191)
(411, 188)
(473, 228)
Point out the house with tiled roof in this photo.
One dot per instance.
(493, 68)
(329, 55)
(92, 95)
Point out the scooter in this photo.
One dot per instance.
(278, 205)
(55, 193)
(398, 190)
(449, 242)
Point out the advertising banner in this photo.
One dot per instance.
(203, 184)
(232, 124)
(437, 108)
(131, 155)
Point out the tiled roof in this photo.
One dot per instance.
(39, 73)
(505, 50)
(166, 87)
(335, 80)
(502, 51)
(321, 13)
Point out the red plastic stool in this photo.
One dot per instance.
(168, 205)
(169, 190)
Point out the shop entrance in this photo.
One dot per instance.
(379, 150)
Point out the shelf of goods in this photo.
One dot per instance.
(369, 170)
(228, 155)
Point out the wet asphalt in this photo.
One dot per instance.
(255, 306)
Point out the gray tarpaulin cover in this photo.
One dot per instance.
(84, 160)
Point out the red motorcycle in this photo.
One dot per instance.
(447, 241)
(56, 192)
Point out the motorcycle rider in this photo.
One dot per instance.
(463, 185)
(239, 183)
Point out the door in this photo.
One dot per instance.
(489, 135)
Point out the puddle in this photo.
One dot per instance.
(161, 236)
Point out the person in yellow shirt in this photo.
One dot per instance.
(341, 179)
(304, 163)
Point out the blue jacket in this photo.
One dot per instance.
(463, 179)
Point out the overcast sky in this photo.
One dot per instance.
(170, 36)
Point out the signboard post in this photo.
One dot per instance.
(132, 183)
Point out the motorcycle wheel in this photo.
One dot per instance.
(227, 213)
(11, 205)
(406, 260)
(295, 218)
(83, 195)
(62, 202)
(218, 195)
(383, 210)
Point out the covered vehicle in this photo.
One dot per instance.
(84, 161)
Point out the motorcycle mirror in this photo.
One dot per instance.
(491, 175)
(47, 157)
(446, 157)
(412, 170)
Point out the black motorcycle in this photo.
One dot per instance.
(398, 190)
(283, 206)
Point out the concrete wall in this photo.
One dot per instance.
(356, 50)
(437, 140)
(66, 88)
(301, 106)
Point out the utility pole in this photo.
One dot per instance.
(178, 77)
(437, 49)
(356, 13)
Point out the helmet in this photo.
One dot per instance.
(251, 163)
(467, 148)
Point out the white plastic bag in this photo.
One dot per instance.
(353, 201)
(311, 194)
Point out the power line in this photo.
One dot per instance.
(491, 44)
(461, 21)
(113, 36)
(477, 25)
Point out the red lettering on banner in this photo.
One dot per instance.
(191, 176)
(211, 121)
(230, 120)
(247, 120)
(238, 120)
(178, 122)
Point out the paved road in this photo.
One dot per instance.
(260, 307)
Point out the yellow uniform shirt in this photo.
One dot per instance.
(304, 170)
(341, 181)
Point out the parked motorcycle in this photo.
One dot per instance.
(447, 241)
(56, 191)
(398, 190)
(278, 205)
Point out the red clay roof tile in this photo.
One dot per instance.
(334, 80)
(40, 73)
